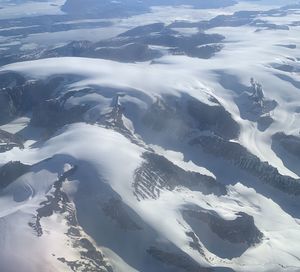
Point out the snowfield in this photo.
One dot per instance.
(198, 78)
(123, 166)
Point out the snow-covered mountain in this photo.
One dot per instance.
(169, 143)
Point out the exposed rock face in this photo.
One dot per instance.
(9, 141)
(131, 52)
(11, 171)
(138, 200)
(264, 122)
(58, 202)
(159, 115)
(20, 99)
(113, 118)
(76, 48)
(114, 209)
(191, 115)
(10, 79)
(7, 107)
(287, 148)
(91, 259)
(144, 30)
(245, 160)
(195, 243)
(177, 260)
(199, 45)
(157, 174)
(214, 118)
(239, 18)
(251, 100)
(182, 262)
(51, 115)
(285, 68)
(240, 230)
(290, 143)
(255, 107)
(126, 52)
(205, 51)
(142, 43)
(35, 96)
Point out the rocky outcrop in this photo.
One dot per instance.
(205, 51)
(51, 115)
(240, 18)
(178, 260)
(157, 174)
(159, 115)
(19, 99)
(254, 106)
(11, 171)
(115, 209)
(142, 43)
(287, 148)
(72, 49)
(213, 118)
(7, 107)
(189, 115)
(240, 230)
(58, 202)
(265, 25)
(242, 158)
(9, 141)
(290, 143)
(201, 45)
(128, 52)
(10, 80)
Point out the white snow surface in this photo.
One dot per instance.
(107, 150)
(115, 158)
(195, 77)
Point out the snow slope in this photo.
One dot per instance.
(124, 187)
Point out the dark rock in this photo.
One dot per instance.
(195, 244)
(131, 52)
(20, 99)
(158, 116)
(240, 230)
(115, 209)
(144, 30)
(188, 114)
(9, 141)
(157, 173)
(290, 143)
(51, 115)
(254, 106)
(10, 80)
(178, 260)
(264, 122)
(241, 157)
(285, 68)
(11, 171)
(213, 118)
